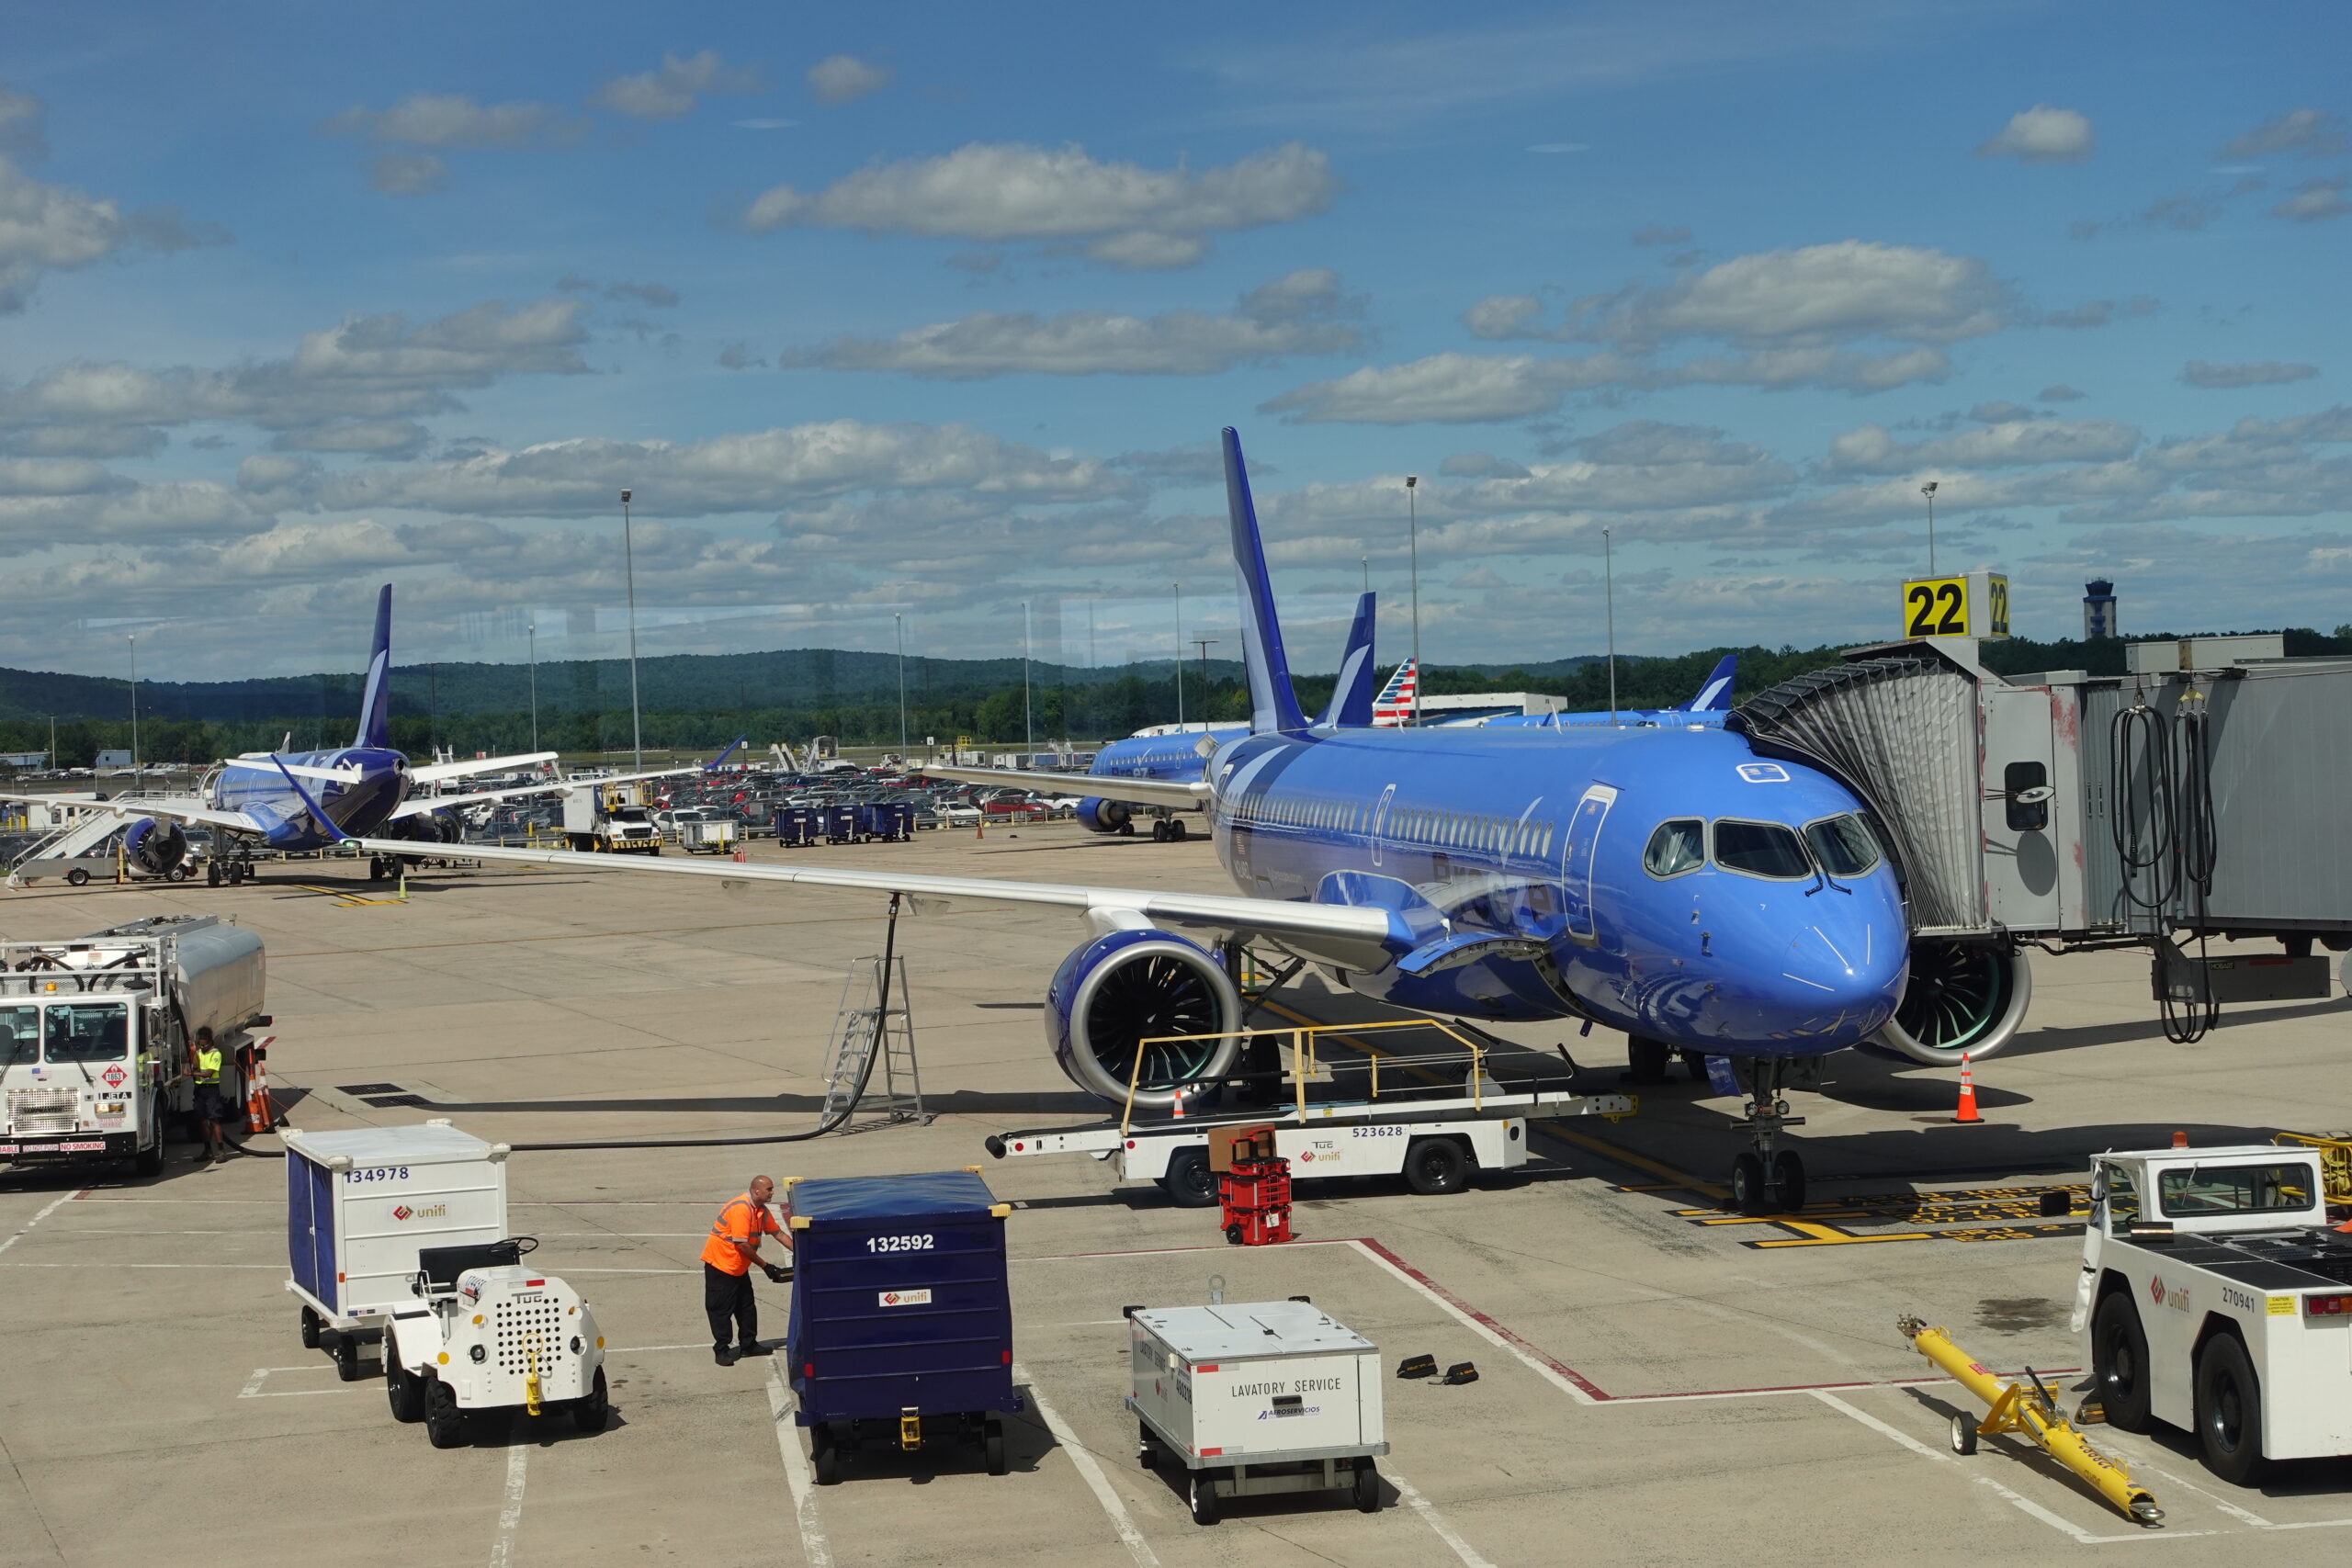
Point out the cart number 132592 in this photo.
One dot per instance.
(897, 1244)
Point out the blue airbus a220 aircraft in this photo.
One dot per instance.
(1669, 883)
(351, 790)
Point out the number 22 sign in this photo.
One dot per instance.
(1975, 606)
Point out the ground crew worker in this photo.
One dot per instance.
(210, 1109)
(727, 1259)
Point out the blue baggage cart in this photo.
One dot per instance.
(840, 824)
(901, 1315)
(795, 826)
(896, 822)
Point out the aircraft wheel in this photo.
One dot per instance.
(1748, 1185)
(1159, 830)
(1788, 1181)
(1177, 831)
(212, 876)
(1647, 1058)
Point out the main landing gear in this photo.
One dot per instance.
(1767, 1181)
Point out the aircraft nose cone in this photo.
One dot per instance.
(1843, 981)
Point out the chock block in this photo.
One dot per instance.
(1460, 1372)
(1417, 1367)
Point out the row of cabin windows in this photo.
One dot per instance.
(1452, 830)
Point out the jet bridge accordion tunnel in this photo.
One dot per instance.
(2073, 812)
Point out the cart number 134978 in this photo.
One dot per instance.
(897, 1244)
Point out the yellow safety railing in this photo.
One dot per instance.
(1305, 1065)
(2335, 1160)
(2026, 1406)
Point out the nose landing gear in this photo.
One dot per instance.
(1768, 1179)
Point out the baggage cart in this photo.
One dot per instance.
(796, 826)
(1256, 1398)
(708, 836)
(360, 1205)
(840, 824)
(901, 1315)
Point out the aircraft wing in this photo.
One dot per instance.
(185, 809)
(1352, 936)
(1180, 793)
(434, 773)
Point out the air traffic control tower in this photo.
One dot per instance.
(2099, 610)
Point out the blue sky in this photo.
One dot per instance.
(932, 311)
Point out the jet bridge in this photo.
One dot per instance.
(2158, 809)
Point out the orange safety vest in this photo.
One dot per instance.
(734, 1230)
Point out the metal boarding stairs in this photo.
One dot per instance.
(863, 1026)
(73, 841)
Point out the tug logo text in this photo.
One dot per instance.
(430, 1211)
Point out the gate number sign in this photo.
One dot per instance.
(1975, 606)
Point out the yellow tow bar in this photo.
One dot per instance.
(2027, 1405)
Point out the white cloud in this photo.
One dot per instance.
(46, 227)
(2011, 443)
(406, 173)
(1820, 293)
(20, 118)
(844, 78)
(453, 120)
(2248, 373)
(1445, 388)
(187, 509)
(670, 91)
(1133, 216)
(2059, 393)
(368, 437)
(2308, 132)
(2316, 201)
(2042, 135)
(1294, 314)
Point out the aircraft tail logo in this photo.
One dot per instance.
(1273, 705)
(376, 698)
(1393, 709)
(1352, 694)
(1715, 695)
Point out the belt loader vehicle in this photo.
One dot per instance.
(96, 1035)
(2216, 1298)
(489, 1333)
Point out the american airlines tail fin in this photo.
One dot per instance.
(1715, 695)
(1273, 705)
(376, 695)
(1393, 709)
(1350, 707)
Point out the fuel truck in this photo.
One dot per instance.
(96, 1035)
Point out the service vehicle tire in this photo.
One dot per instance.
(346, 1355)
(1146, 1452)
(178, 873)
(311, 1326)
(992, 1445)
(1126, 830)
(1436, 1165)
(591, 1413)
(824, 1455)
(2120, 1363)
(1788, 1181)
(1367, 1487)
(77, 878)
(2228, 1410)
(445, 1423)
(1190, 1181)
(149, 1160)
(1233, 1233)
(1748, 1185)
(1203, 1498)
(1647, 1058)
(403, 1389)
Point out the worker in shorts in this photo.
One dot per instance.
(211, 1108)
(728, 1259)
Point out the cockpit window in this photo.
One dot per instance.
(1676, 847)
(1761, 849)
(1843, 844)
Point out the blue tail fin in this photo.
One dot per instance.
(1350, 707)
(1715, 695)
(376, 696)
(1272, 704)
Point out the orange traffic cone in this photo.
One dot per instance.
(1966, 1115)
(1176, 1110)
(260, 1114)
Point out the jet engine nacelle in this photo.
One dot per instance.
(427, 828)
(154, 845)
(1961, 998)
(1132, 986)
(1100, 816)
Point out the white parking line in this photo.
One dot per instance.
(1411, 1497)
(1474, 1326)
(796, 1471)
(510, 1513)
(253, 1389)
(1098, 1483)
(55, 1205)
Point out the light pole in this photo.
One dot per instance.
(1365, 562)
(629, 556)
(1204, 644)
(133, 639)
(1413, 538)
(1028, 731)
(1179, 655)
(1609, 601)
(1929, 490)
(898, 622)
(531, 630)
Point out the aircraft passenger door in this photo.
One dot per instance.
(1577, 860)
(1380, 821)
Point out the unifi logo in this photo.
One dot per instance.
(430, 1211)
(403, 1212)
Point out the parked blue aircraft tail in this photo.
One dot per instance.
(1272, 704)
(376, 698)
(1351, 706)
(1715, 695)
